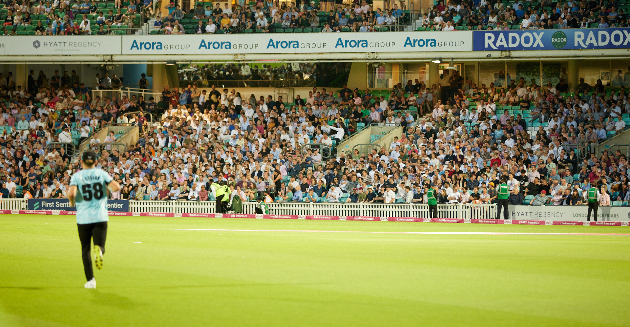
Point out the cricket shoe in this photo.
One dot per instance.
(91, 284)
(98, 257)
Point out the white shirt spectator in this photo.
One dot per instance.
(620, 125)
(65, 137)
(389, 196)
(211, 28)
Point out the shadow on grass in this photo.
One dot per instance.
(112, 300)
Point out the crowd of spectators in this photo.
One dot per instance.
(274, 16)
(519, 14)
(85, 17)
(462, 143)
(82, 17)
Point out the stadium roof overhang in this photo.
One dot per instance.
(326, 57)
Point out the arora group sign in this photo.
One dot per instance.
(296, 43)
(565, 39)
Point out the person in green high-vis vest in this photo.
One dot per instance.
(222, 196)
(503, 194)
(593, 202)
(432, 201)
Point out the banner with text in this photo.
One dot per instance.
(60, 45)
(566, 39)
(296, 43)
(567, 213)
(64, 204)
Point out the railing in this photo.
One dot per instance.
(369, 147)
(323, 149)
(127, 91)
(120, 147)
(12, 204)
(461, 211)
(68, 147)
(458, 211)
(252, 83)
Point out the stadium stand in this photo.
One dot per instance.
(127, 17)
(462, 142)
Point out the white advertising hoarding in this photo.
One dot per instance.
(296, 43)
(60, 45)
(567, 213)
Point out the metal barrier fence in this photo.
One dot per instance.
(12, 204)
(460, 211)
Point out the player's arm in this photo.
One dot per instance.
(113, 186)
(72, 194)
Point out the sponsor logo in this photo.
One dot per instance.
(624, 223)
(514, 40)
(136, 214)
(135, 45)
(384, 219)
(302, 217)
(548, 222)
(36, 206)
(218, 215)
(406, 219)
(198, 215)
(426, 220)
(507, 222)
(559, 40)
(281, 217)
(15, 212)
(567, 223)
(178, 215)
(365, 218)
(239, 216)
(485, 221)
(607, 223)
(283, 44)
(56, 212)
(259, 216)
(351, 43)
(342, 218)
(36, 44)
(603, 38)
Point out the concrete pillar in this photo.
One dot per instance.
(395, 74)
(160, 79)
(434, 74)
(358, 76)
(573, 74)
(21, 75)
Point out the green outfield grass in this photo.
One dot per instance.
(290, 278)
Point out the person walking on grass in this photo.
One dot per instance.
(88, 191)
